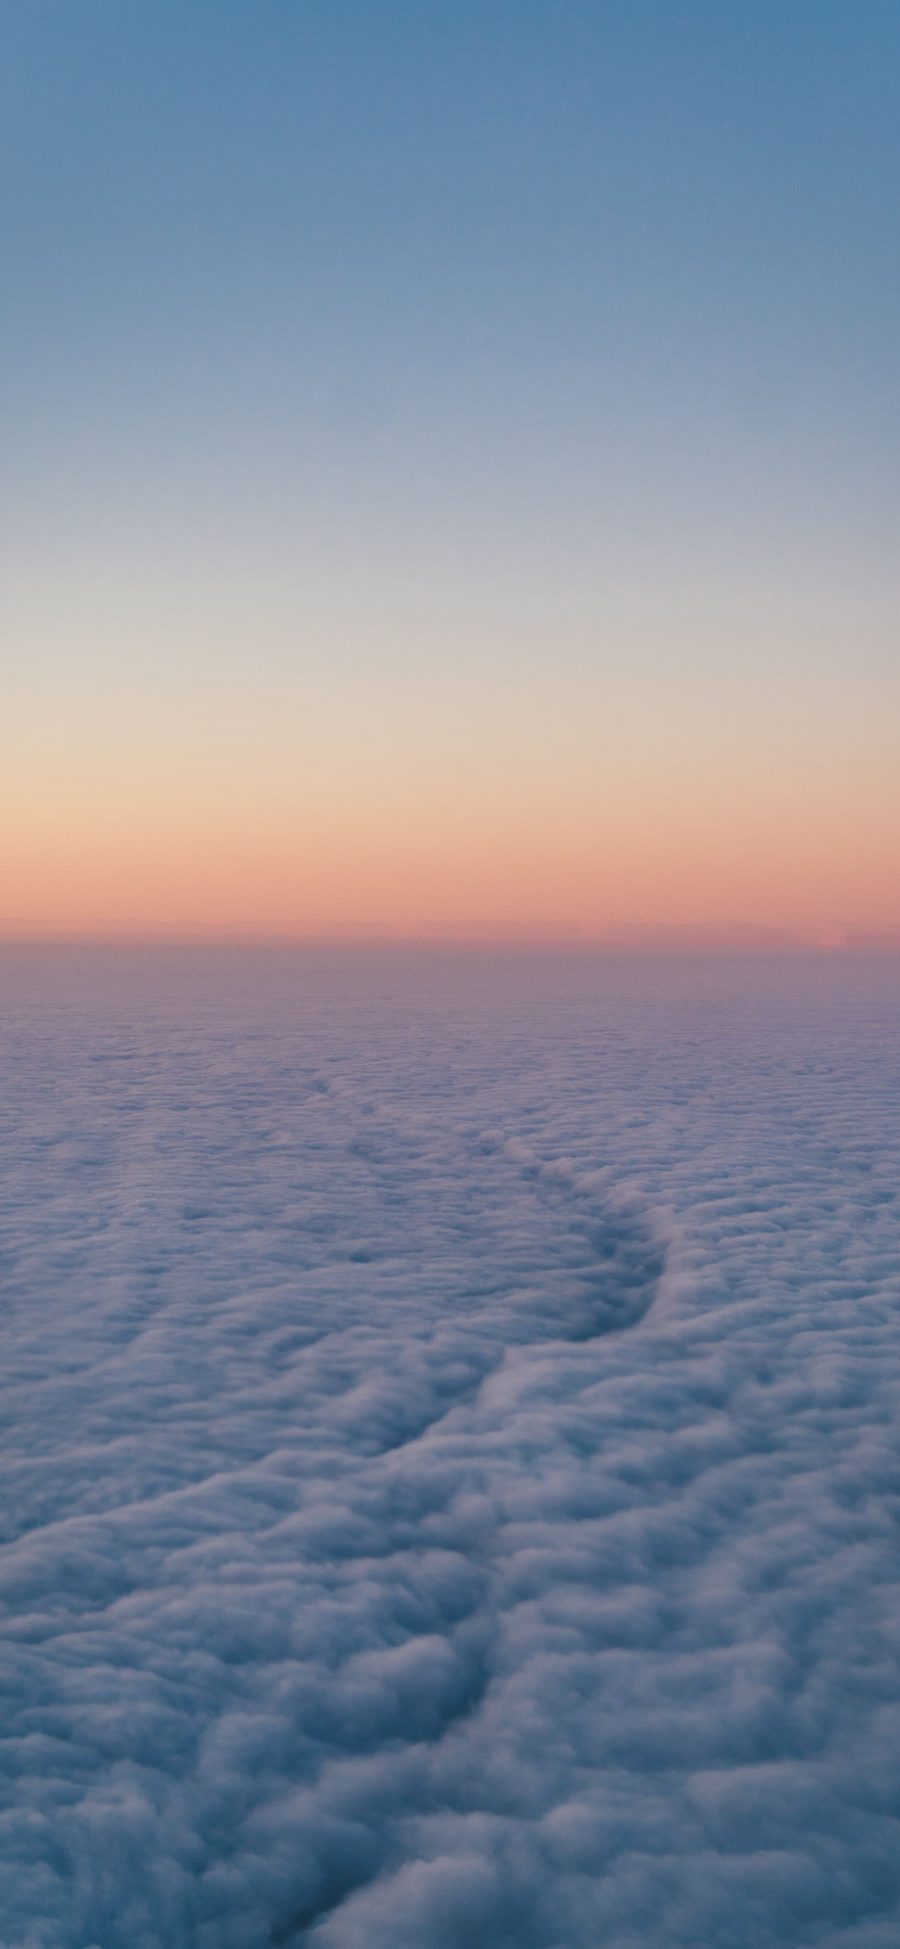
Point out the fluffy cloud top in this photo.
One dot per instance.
(450, 1455)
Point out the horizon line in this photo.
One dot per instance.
(638, 939)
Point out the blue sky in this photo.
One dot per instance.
(491, 365)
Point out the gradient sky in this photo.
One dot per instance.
(450, 466)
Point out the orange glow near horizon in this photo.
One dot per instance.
(235, 759)
(598, 864)
(360, 786)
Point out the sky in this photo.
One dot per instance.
(450, 470)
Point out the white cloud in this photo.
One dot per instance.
(450, 1457)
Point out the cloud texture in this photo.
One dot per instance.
(450, 1454)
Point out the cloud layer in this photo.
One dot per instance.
(450, 1454)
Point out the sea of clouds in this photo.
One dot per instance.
(450, 1451)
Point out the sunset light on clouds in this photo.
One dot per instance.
(450, 974)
